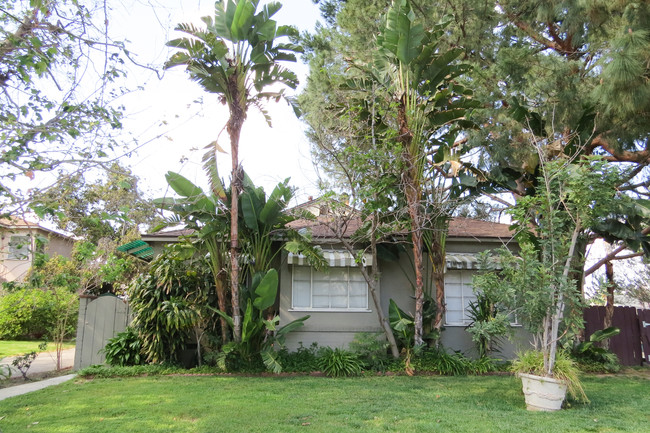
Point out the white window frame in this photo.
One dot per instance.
(464, 299)
(311, 294)
(24, 252)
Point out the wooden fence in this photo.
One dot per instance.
(100, 318)
(632, 345)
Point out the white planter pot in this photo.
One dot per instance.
(543, 393)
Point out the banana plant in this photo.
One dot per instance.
(208, 215)
(425, 111)
(259, 334)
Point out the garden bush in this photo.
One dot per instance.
(339, 363)
(124, 349)
(34, 313)
(303, 360)
(371, 349)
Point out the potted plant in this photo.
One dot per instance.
(536, 286)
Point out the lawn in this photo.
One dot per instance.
(317, 404)
(12, 348)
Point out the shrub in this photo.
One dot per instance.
(124, 349)
(594, 359)
(303, 360)
(339, 363)
(439, 361)
(34, 313)
(371, 349)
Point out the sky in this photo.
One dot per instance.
(173, 119)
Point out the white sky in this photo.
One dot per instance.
(168, 107)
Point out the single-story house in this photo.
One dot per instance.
(19, 240)
(338, 301)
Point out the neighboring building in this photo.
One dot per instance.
(19, 239)
(338, 301)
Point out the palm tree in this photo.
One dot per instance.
(236, 57)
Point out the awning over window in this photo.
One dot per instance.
(333, 257)
(462, 261)
(138, 248)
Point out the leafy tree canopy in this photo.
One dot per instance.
(58, 72)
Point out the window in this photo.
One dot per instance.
(19, 248)
(337, 289)
(458, 295)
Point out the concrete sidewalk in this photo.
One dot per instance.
(44, 362)
(13, 391)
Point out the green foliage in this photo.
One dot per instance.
(565, 369)
(371, 349)
(403, 325)
(339, 363)
(56, 109)
(124, 349)
(440, 362)
(24, 362)
(168, 302)
(593, 358)
(111, 206)
(100, 371)
(260, 336)
(33, 313)
(488, 325)
(302, 360)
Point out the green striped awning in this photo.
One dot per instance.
(139, 249)
(333, 258)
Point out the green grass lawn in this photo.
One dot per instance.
(13, 348)
(304, 404)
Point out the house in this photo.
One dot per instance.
(20, 239)
(338, 301)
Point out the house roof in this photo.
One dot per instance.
(162, 236)
(22, 224)
(458, 228)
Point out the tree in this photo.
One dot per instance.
(111, 206)
(237, 57)
(570, 74)
(537, 285)
(58, 66)
(420, 108)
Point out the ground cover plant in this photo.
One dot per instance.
(320, 404)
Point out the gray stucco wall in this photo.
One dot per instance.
(337, 329)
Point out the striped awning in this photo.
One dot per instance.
(462, 261)
(333, 257)
(139, 249)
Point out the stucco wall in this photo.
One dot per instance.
(337, 329)
(16, 270)
(332, 329)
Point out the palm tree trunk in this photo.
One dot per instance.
(234, 125)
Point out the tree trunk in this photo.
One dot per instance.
(234, 125)
(413, 194)
(383, 320)
(438, 263)
(609, 306)
(416, 237)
